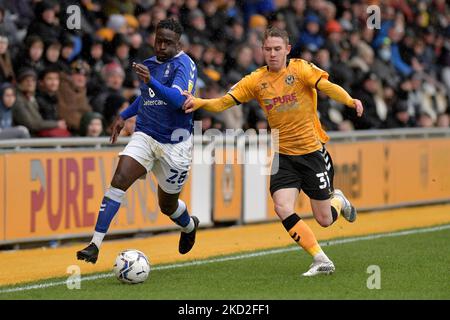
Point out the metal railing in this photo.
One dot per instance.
(103, 142)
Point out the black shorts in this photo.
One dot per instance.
(313, 173)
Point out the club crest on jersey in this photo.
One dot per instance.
(167, 72)
(264, 85)
(289, 79)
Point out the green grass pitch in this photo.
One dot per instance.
(413, 266)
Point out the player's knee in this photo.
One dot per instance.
(120, 181)
(168, 208)
(282, 209)
(324, 220)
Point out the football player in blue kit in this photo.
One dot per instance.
(162, 141)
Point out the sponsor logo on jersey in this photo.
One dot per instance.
(156, 102)
(283, 103)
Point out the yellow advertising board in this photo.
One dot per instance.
(227, 186)
(374, 174)
(58, 195)
(2, 197)
(419, 170)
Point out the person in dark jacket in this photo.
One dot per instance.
(46, 96)
(26, 111)
(45, 24)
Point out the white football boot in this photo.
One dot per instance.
(320, 267)
(348, 211)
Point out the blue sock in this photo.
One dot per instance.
(108, 210)
(181, 215)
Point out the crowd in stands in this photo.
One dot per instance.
(57, 81)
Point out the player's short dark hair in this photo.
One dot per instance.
(171, 24)
(276, 32)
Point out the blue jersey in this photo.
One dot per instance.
(156, 117)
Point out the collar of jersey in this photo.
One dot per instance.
(287, 64)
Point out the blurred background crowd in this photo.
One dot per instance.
(59, 82)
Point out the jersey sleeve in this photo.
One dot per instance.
(185, 76)
(310, 74)
(243, 91)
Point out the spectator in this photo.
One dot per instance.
(196, 27)
(26, 111)
(113, 76)
(67, 47)
(138, 51)
(31, 57)
(443, 120)
(371, 118)
(425, 120)
(310, 37)
(46, 96)
(294, 18)
(362, 62)
(383, 66)
(400, 117)
(91, 124)
(52, 53)
(46, 23)
(114, 104)
(72, 95)
(7, 130)
(121, 51)
(243, 63)
(411, 42)
(6, 66)
(8, 28)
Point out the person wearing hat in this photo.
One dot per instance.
(113, 77)
(310, 36)
(46, 22)
(196, 27)
(72, 94)
(26, 111)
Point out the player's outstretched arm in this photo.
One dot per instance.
(171, 96)
(214, 105)
(337, 93)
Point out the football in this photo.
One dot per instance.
(131, 266)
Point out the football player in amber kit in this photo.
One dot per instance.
(287, 92)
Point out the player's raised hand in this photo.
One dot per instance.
(188, 105)
(359, 107)
(142, 72)
(118, 125)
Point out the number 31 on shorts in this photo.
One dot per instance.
(324, 180)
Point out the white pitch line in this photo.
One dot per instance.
(237, 257)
